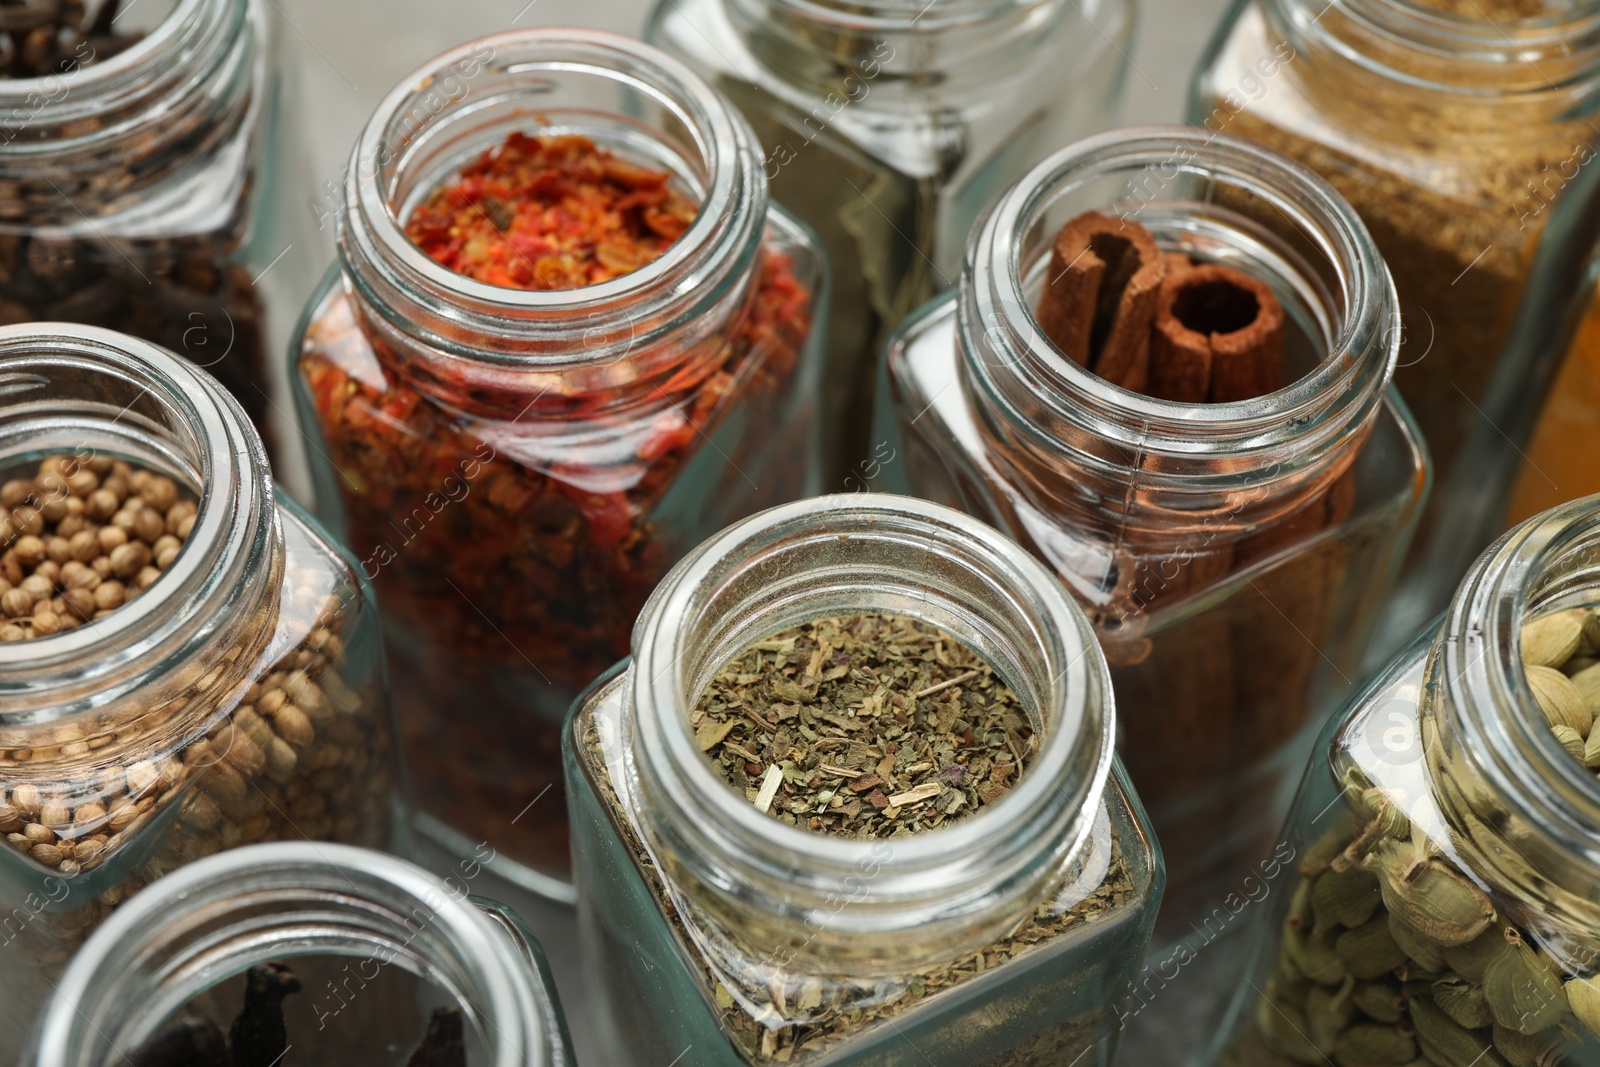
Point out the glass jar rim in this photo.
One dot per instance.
(235, 529)
(374, 245)
(1050, 793)
(182, 46)
(1347, 383)
(1446, 35)
(905, 16)
(331, 875)
(1480, 657)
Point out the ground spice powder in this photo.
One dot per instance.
(509, 582)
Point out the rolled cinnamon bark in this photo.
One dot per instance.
(1100, 297)
(1217, 338)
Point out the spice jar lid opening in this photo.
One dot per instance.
(868, 552)
(212, 919)
(1220, 200)
(627, 98)
(83, 392)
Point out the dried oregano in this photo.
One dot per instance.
(866, 725)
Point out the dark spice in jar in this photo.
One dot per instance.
(260, 1037)
(66, 252)
(42, 37)
(75, 546)
(499, 574)
(864, 726)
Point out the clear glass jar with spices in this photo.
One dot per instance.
(371, 958)
(1459, 132)
(1232, 556)
(186, 663)
(518, 448)
(888, 125)
(1011, 937)
(133, 141)
(1449, 837)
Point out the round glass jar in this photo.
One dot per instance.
(516, 469)
(1232, 557)
(239, 698)
(1463, 143)
(374, 943)
(711, 925)
(132, 194)
(1447, 812)
(887, 125)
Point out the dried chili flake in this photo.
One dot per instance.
(550, 213)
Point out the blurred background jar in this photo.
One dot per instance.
(231, 691)
(1010, 938)
(368, 959)
(517, 468)
(1233, 557)
(139, 146)
(888, 125)
(1448, 838)
(1459, 132)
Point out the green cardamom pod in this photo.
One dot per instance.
(1591, 750)
(1369, 951)
(1447, 1043)
(1462, 1001)
(1551, 640)
(1529, 1050)
(1473, 958)
(1381, 1000)
(1570, 739)
(1524, 994)
(1321, 963)
(1282, 1026)
(1429, 896)
(1587, 682)
(1427, 955)
(1559, 699)
(1583, 997)
(1370, 1045)
(1344, 898)
(1328, 1012)
(1320, 853)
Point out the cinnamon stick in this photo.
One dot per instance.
(1217, 338)
(1100, 297)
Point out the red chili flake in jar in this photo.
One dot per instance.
(509, 574)
(550, 213)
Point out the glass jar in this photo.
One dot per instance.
(132, 193)
(374, 942)
(238, 698)
(1463, 142)
(1444, 789)
(710, 925)
(517, 469)
(1231, 556)
(887, 125)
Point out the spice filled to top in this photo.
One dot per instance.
(131, 193)
(1448, 838)
(1164, 372)
(887, 126)
(566, 338)
(307, 954)
(854, 797)
(1459, 131)
(186, 663)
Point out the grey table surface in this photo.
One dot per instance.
(345, 56)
